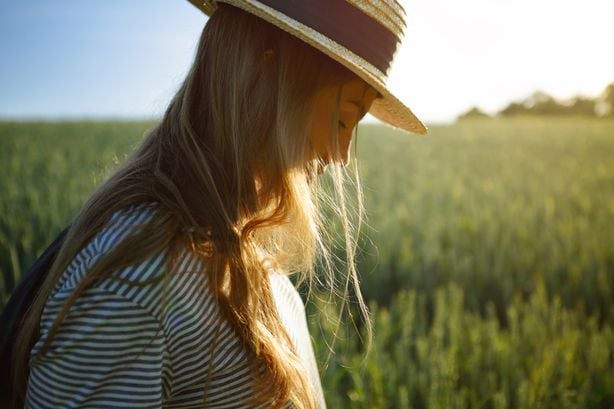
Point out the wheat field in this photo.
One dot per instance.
(487, 260)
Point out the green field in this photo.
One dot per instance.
(488, 260)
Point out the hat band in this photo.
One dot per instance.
(345, 24)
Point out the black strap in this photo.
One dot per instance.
(346, 24)
(15, 309)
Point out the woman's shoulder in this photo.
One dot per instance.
(122, 224)
(197, 340)
(285, 293)
(155, 283)
(147, 282)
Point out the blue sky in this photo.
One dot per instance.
(125, 58)
(83, 58)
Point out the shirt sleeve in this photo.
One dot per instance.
(108, 352)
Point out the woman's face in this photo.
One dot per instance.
(355, 102)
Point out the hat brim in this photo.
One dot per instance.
(389, 109)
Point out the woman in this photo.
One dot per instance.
(171, 286)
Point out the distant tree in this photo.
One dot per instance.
(537, 98)
(605, 103)
(581, 106)
(474, 112)
(541, 103)
(514, 109)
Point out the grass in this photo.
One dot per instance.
(488, 261)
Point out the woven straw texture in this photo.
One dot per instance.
(389, 109)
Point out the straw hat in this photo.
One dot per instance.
(363, 35)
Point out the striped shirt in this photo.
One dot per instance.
(118, 348)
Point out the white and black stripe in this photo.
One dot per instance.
(118, 347)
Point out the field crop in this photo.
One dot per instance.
(488, 260)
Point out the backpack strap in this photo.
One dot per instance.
(15, 309)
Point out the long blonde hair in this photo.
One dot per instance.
(226, 166)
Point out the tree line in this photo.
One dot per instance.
(540, 103)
